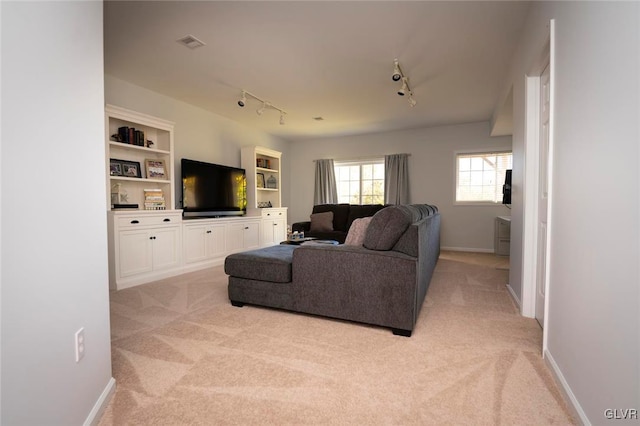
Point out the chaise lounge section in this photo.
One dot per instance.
(383, 282)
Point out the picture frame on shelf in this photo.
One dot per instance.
(115, 167)
(260, 180)
(131, 169)
(155, 169)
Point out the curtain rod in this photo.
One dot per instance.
(373, 157)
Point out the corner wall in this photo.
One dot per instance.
(593, 333)
(54, 233)
(431, 172)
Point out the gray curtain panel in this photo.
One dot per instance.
(396, 179)
(325, 190)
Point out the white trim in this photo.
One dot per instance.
(566, 389)
(467, 249)
(513, 295)
(101, 404)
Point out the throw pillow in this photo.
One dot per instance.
(358, 229)
(386, 228)
(322, 222)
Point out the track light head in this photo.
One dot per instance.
(243, 100)
(281, 118)
(260, 110)
(397, 74)
(412, 102)
(403, 90)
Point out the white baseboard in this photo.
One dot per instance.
(578, 412)
(101, 404)
(467, 249)
(513, 295)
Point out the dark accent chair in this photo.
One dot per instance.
(343, 217)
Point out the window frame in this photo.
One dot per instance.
(359, 162)
(456, 154)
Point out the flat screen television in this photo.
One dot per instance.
(212, 190)
(506, 188)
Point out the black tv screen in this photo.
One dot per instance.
(212, 190)
(506, 188)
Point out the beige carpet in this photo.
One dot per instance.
(183, 355)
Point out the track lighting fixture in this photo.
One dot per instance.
(243, 100)
(265, 105)
(397, 74)
(405, 89)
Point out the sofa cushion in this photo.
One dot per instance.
(321, 222)
(386, 227)
(340, 214)
(357, 231)
(358, 211)
(266, 264)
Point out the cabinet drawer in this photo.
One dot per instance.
(504, 230)
(143, 220)
(273, 213)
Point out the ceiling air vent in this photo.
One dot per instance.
(190, 41)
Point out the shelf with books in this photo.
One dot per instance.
(145, 157)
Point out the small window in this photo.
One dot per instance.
(480, 176)
(360, 182)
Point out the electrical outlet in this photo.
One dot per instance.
(80, 344)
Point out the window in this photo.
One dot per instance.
(360, 182)
(480, 176)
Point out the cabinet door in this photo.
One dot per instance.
(195, 243)
(251, 237)
(234, 237)
(135, 252)
(215, 237)
(166, 245)
(267, 232)
(279, 230)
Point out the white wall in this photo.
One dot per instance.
(594, 307)
(199, 134)
(54, 236)
(431, 169)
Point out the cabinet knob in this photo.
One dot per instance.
(167, 220)
(280, 214)
(246, 227)
(275, 224)
(133, 222)
(208, 232)
(268, 214)
(152, 238)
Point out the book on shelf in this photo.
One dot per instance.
(154, 199)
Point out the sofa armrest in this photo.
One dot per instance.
(301, 226)
(356, 284)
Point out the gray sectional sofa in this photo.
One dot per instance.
(383, 282)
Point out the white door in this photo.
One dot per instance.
(543, 195)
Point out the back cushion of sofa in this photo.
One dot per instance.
(359, 211)
(386, 228)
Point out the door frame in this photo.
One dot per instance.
(531, 182)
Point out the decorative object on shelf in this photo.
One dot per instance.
(264, 163)
(115, 167)
(124, 206)
(154, 199)
(272, 182)
(155, 169)
(116, 137)
(260, 180)
(150, 144)
(131, 169)
(130, 135)
(118, 194)
(264, 204)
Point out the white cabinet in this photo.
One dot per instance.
(502, 242)
(264, 178)
(243, 235)
(204, 242)
(274, 226)
(143, 247)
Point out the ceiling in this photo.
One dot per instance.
(320, 59)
